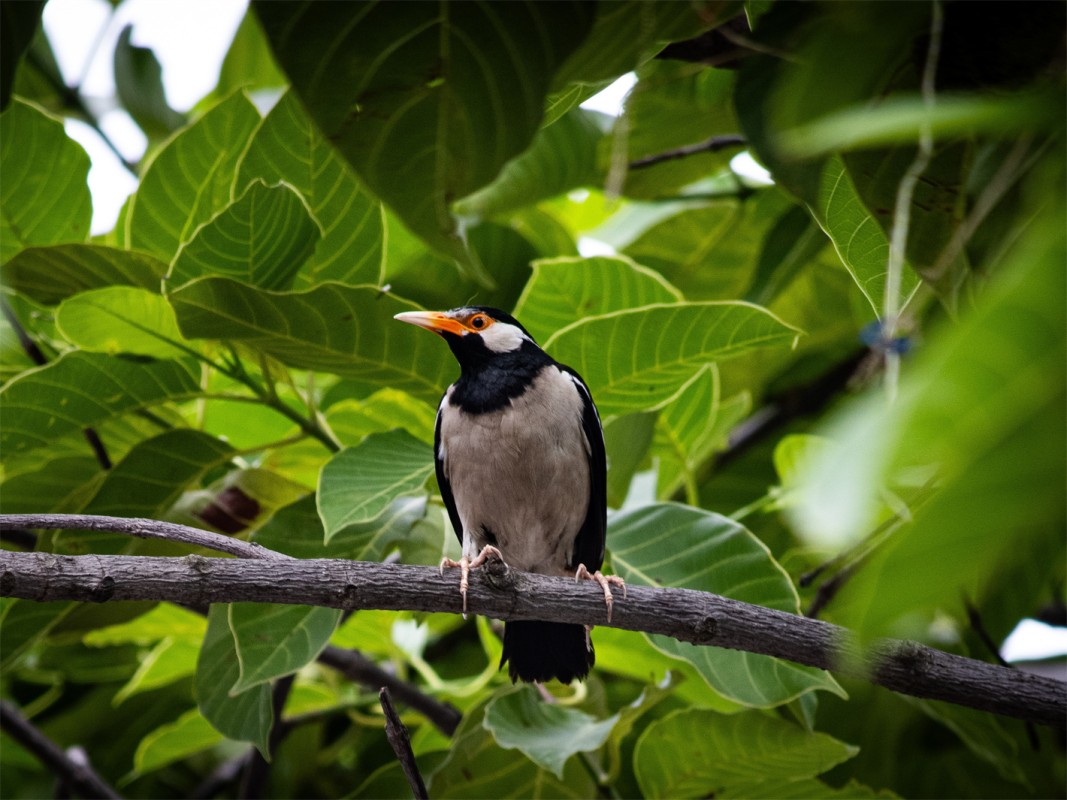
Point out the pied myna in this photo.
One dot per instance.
(520, 462)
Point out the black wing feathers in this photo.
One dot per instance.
(589, 544)
(442, 480)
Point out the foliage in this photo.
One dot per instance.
(231, 344)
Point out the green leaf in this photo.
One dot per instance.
(190, 180)
(262, 238)
(985, 736)
(44, 197)
(477, 767)
(384, 410)
(287, 147)
(805, 789)
(789, 245)
(25, 623)
(626, 442)
(274, 640)
(859, 240)
(175, 741)
(164, 621)
(422, 113)
(139, 85)
(639, 359)
(89, 388)
(332, 328)
(18, 22)
(59, 486)
(547, 734)
(674, 545)
(563, 156)
(360, 482)
(52, 274)
(247, 716)
(169, 661)
(249, 63)
(565, 290)
(697, 753)
(121, 319)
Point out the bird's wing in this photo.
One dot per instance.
(442, 477)
(589, 544)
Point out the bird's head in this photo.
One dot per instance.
(478, 335)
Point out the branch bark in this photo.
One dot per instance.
(684, 614)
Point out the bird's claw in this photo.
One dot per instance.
(465, 565)
(605, 582)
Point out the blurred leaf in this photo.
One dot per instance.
(983, 734)
(638, 359)
(360, 482)
(249, 63)
(263, 238)
(277, 640)
(288, 148)
(44, 196)
(547, 734)
(163, 621)
(297, 530)
(23, 624)
(674, 545)
(805, 789)
(90, 388)
(422, 115)
(565, 290)
(188, 734)
(626, 440)
(788, 247)
(389, 780)
(18, 23)
(384, 410)
(696, 753)
(169, 661)
(332, 328)
(561, 157)
(139, 85)
(477, 767)
(190, 180)
(58, 486)
(121, 319)
(247, 716)
(52, 274)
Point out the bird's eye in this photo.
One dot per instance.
(479, 321)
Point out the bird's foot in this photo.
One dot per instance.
(605, 581)
(466, 565)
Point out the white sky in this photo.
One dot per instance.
(83, 34)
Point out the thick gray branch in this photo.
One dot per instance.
(684, 614)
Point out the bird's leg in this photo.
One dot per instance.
(605, 582)
(465, 565)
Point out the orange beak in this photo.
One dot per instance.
(433, 321)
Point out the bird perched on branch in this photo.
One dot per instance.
(520, 462)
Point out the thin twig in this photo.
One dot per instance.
(80, 776)
(397, 735)
(142, 529)
(687, 615)
(712, 145)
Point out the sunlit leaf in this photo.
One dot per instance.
(51, 274)
(637, 360)
(45, 198)
(169, 661)
(164, 621)
(360, 482)
(188, 734)
(121, 319)
(263, 238)
(674, 545)
(288, 147)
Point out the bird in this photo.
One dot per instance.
(520, 462)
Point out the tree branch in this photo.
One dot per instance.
(81, 777)
(712, 145)
(397, 735)
(684, 614)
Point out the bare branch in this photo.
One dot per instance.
(142, 529)
(712, 145)
(684, 614)
(80, 776)
(397, 735)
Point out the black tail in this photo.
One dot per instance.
(541, 651)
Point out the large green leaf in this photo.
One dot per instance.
(332, 328)
(190, 180)
(288, 147)
(274, 640)
(263, 238)
(247, 716)
(674, 545)
(169, 661)
(384, 410)
(44, 197)
(52, 274)
(297, 530)
(547, 734)
(427, 101)
(82, 389)
(565, 290)
(359, 483)
(177, 740)
(563, 156)
(139, 85)
(695, 753)
(59, 485)
(121, 319)
(639, 359)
